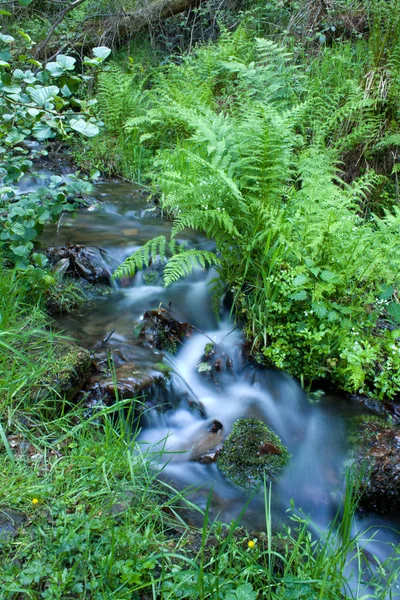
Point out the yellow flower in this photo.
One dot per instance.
(35, 501)
(251, 544)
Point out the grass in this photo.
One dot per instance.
(96, 523)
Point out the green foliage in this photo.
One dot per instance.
(252, 160)
(40, 104)
(180, 263)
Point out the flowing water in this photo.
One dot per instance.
(314, 431)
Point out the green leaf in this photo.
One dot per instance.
(67, 62)
(25, 2)
(83, 127)
(320, 309)
(300, 280)
(25, 36)
(394, 311)
(7, 39)
(43, 131)
(34, 62)
(328, 276)
(41, 95)
(302, 295)
(387, 293)
(101, 52)
(5, 13)
(3, 63)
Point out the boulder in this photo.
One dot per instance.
(79, 262)
(129, 381)
(251, 452)
(160, 330)
(375, 455)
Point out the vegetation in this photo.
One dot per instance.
(279, 140)
(273, 162)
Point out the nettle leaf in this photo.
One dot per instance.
(101, 52)
(300, 280)
(320, 309)
(302, 295)
(84, 127)
(41, 95)
(387, 293)
(394, 311)
(43, 131)
(328, 276)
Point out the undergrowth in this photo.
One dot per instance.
(291, 167)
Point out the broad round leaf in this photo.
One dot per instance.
(101, 52)
(67, 62)
(42, 131)
(41, 95)
(83, 127)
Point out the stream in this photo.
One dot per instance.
(314, 431)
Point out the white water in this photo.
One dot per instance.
(314, 433)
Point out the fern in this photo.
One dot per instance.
(182, 264)
(155, 248)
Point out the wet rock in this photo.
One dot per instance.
(79, 262)
(160, 330)
(214, 363)
(250, 453)
(130, 381)
(70, 371)
(10, 522)
(207, 446)
(375, 455)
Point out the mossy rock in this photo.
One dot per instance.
(69, 373)
(251, 452)
(375, 457)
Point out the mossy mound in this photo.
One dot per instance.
(251, 452)
(68, 374)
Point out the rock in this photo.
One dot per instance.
(250, 453)
(79, 262)
(160, 330)
(70, 371)
(207, 444)
(129, 381)
(375, 454)
(10, 522)
(214, 363)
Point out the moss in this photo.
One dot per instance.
(251, 452)
(70, 371)
(362, 429)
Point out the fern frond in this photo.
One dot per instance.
(212, 221)
(142, 257)
(181, 265)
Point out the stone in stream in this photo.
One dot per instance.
(79, 262)
(160, 330)
(251, 452)
(129, 381)
(375, 454)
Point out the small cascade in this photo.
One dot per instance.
(204, 401)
